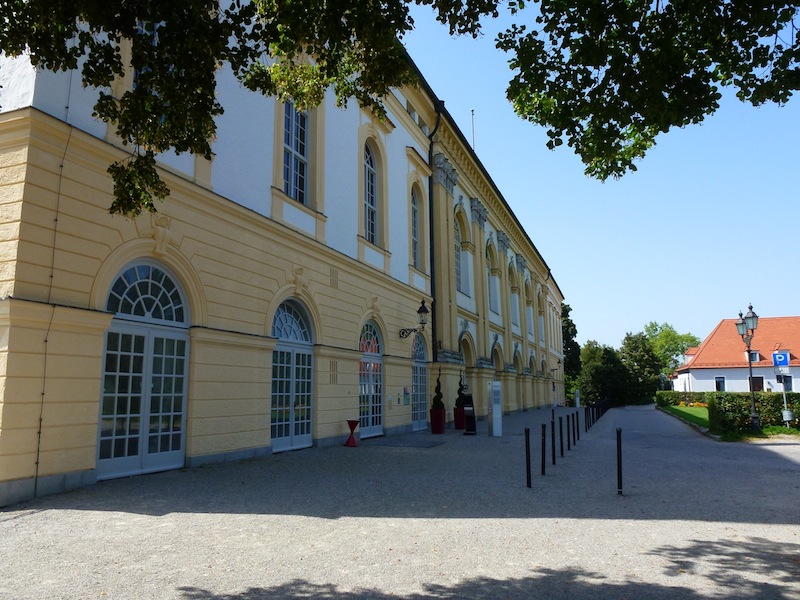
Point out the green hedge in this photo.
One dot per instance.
(670, 398)
(729, 412)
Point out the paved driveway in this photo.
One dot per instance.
(425, 516)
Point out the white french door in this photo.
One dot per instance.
(143, 406)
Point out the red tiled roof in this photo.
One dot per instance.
(724, 346)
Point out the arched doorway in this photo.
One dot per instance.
(143, 406)
(370, 381)
(419, 385)
(292, 379)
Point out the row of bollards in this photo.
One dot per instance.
(590, 416)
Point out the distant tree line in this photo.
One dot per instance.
(629, 375)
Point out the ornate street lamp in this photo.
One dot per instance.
(422, 319)
(746, 326)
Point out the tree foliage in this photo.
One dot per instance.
(605, 75)
(603, 377)
(643, 366)
(608, 76)
(669, 345)
(572, 350)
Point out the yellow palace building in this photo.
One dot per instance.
(262, 306)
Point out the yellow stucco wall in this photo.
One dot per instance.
(235, 266)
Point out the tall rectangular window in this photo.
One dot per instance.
(757, 384)
(370, 197)
(457, 256)
(515, 308)
(494, 304)
(295, 153)
(719, 384)
(415, 260)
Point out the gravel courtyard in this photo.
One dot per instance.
(423, 516)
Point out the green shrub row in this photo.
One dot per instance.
(670, 398)
(729, 412)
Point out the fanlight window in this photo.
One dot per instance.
(289, 324)
(418, 352)
(370, 342)
(147, 292)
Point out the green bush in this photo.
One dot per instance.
(671, 398)
(729, 412)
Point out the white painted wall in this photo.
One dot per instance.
(18, 81)
(736, 379)
(343, 167)
(242, 169)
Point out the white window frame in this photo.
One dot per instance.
(295, 153)
(370, 196)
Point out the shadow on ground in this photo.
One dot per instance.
(670, 472)
(556, 584)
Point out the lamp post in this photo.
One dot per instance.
(746, 327)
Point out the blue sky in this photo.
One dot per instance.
(706, 225)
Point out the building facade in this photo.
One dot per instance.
(260, 308)
(720, 363)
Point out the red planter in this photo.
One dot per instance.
(438, 416)
(458, 417)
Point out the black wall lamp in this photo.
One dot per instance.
(422, 319)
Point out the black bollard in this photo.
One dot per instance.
(561, 434)
(619, 461)
(569, 444)
(578, 424)
(585, 420)
(544, 445)
(528, 454)
(553, 439)
(574, 431)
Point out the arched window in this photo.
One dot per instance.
(457, 255)
(143, 404)
(419, 385)
(370, 196)
(147, 292)
(415, 249)
(370, 379)
(292, 381)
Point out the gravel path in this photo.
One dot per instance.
(698, 519)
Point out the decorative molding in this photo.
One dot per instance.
(503, 243)
(300, 283)
(418, 162)
(464, 326)
(484, 363)
(522, 264)
(509, 368)
(479, 212)
(374, 306)
(161, 234)
(450, 357)
(444, 172)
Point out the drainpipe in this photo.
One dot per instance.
(439, 106)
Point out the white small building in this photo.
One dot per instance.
(720, 362)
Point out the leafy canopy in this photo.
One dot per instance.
(605, 75)
(669, 345)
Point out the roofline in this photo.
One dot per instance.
(429, 90)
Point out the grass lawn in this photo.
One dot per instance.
(694, 414)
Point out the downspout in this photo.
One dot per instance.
(439, 107)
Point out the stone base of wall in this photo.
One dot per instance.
(20, 490)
